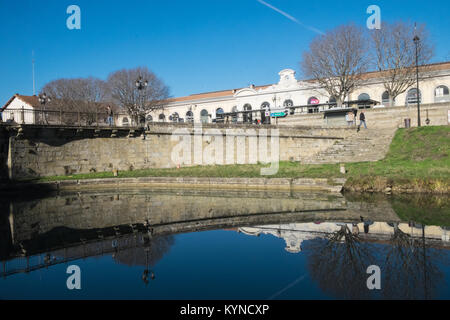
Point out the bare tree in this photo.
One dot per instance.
(124, 92)
(336, 60)
(79, 95)
(395, 53)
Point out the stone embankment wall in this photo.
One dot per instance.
(40, 151)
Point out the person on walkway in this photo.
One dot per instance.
(350, 119)
(355, 115)
(362, 119)
(110, 116)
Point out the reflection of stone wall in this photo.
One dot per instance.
(50, 152)
(99, 210)
(171, 212)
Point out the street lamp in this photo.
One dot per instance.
(43, 99)
(141, 85)
(416, 42)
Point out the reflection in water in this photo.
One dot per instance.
(338, 256)
(411, 266)
(339, 236)
(337, 263)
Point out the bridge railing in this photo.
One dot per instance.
(70, 118)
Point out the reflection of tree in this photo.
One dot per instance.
(137, 256)
(339, 263)
(410, 270)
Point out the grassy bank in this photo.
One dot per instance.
(418, 161)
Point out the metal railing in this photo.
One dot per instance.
(70, 118)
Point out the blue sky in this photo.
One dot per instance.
(194, 46)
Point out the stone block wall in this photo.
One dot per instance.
(40, 152)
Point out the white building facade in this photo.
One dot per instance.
(264, 101)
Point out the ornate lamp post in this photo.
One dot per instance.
(416, 42)
(140, 85)
(43, 99)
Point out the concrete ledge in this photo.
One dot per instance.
(326, 185)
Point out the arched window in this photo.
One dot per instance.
(142, 120)
(174, 117)
(247, 116)
(204, 116)
(189, 116)
(411, 96)
(234, 116)
(219, 115)
(265, 109)
(363, 99)
(149, 118)
(332, 100)
(385, 98)
(441, 94)
(162, 117)
(125, 121)
(314, 100)
(289, 104)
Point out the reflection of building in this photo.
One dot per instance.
(290, 92)
(295, 233)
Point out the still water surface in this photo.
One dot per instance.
(199, 244)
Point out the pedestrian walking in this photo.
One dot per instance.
(362, 120)
(355, 115)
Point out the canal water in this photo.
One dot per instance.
(215, 244)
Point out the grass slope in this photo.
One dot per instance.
(418, 160)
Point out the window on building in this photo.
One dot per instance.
(247, 116)
(385, 99)
(441, 93)
(288, 104)
(162, 117)
(204, 116)
(411, 96)
(149, 118)
(332, 102)
(265, 105)
(363, 101)
(189, 116)
(219, 115)
(234, 115)
(313, 101)
(174, 117)
(125, 121)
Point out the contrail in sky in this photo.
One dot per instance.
(290, 17)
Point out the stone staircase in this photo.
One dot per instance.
(365, 145)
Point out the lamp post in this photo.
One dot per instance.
(140, 85)
(43, 99)
(416, 42)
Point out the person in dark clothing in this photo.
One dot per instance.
(362, 120)
(355, 115)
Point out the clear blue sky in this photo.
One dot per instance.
(194, 46)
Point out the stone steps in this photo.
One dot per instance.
(366, 145)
